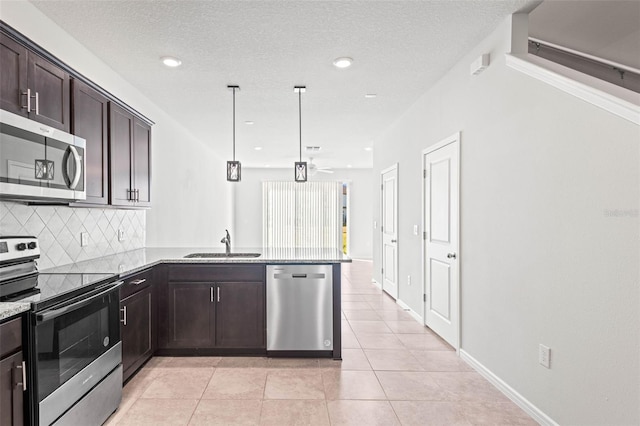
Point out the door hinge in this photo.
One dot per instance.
(424, 235)
(382, 270)
(381, 187)
(424, 297)
(424, 173)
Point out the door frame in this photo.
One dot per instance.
(453, 139)
(395, 167)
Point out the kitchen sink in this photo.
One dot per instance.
(218, 255)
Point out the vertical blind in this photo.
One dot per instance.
(299, 215)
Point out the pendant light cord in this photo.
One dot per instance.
(300, 119)
(234, 124)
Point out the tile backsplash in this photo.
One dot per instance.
(58, 229)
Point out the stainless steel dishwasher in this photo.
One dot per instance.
(299, 308)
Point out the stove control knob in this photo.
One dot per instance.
(21, 247)
(31, 245)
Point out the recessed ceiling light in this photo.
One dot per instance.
(170, 61)
(349, 166)
(257, 148)
(267, 165)
(368, 148)
(343, 62)
(371, 95)
(248, 122)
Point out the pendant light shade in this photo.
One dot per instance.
(300, 168)
(233, 167)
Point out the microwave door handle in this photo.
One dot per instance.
(54, 313)
(78, 167)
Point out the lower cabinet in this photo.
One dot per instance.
(224, 312)
(136, 330)
(12, 374)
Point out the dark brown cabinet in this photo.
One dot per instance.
(191, 315)
(12, 374)
(213, 309)
(240, 312)
(137, 322)
(33, 86)
(130, 154)
(90, 122)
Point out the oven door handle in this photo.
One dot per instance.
(52, 313)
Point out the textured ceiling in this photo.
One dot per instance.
(609, 29)
(400, 48)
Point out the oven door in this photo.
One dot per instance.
(77, 344)
(38, 161)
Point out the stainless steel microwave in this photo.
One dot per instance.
(38, 162)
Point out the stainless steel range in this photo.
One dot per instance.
(74, 350)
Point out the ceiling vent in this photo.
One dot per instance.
(312, 149)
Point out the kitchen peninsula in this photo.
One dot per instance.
(182, 306)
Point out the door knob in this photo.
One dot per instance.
(451, 255)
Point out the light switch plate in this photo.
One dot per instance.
(84, 239)
(121, 236)
(415, 229)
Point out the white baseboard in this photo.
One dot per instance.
(411, 312)
(376, 283)
(511, 393)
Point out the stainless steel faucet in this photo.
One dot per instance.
(227, 242)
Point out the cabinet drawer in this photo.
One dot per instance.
(10, 337)
(213, 273)
(135, 283)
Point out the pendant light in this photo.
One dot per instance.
(233, 167)
(300, 169)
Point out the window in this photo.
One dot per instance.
(299, 215)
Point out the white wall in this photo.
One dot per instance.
(190, 196)
(549, 234)
(247, 196)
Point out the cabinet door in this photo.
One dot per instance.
(11, 393)
(90, 122)
(191, 319)
(13, 68)
(120, 138)
(136, 331)
(51, 84)
(240, 314)
(142, 163)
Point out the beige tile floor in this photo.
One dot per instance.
(394, 371)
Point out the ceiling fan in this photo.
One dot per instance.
(313, 169)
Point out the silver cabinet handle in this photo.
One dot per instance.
(394, 241)
(37, 98)
(124, 316)
(23, 376)
(218, 293)
(137, 195)
(451, 256)
(77, 161)
(211, 293)
(28, 95)
(138, 282)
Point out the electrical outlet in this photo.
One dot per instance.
(84, 239)
(415, 229)
(544, 356)
(121, 236)
(408, 279)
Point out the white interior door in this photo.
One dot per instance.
(441, 224)
(390, 231)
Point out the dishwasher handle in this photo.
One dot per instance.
(290, 276)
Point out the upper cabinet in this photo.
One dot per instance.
(130, 151)
(90, 122)
(33, 86)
